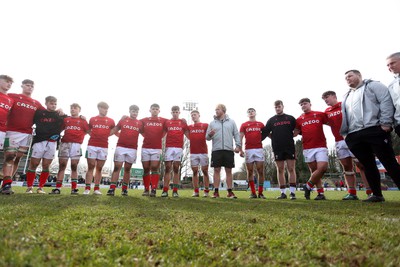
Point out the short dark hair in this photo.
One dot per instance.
(304, 100)
(6, 78)
(134, 107)
(251, 109)
(75, 105)
(355, 71)
(328, 93)
(28, 81)
(102, 104)
(174, 108)
(50, 99)
(195, 111)
(278, 102)
(155, 105)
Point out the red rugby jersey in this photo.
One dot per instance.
(100, 129)
(22, 113)
(175, 132)
(6, 103)
(153, 132)
(311, 126)
(334, 115)
(197, 137)
(75, 130)
(129, 132)
(252, 133)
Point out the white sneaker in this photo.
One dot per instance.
(40, 191)
(195, 194)
(29, 190)
(97, 192)
(205, 194)
(87, 192)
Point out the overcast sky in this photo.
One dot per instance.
(239, 53)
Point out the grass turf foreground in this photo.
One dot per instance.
(65, 230)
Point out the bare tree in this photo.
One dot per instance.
(269, 164)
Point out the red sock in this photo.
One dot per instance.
(30, 178)
(146, 182)
(58, 184)
(320, 190)
(196, 190)
(43, 178)
(368, 191)
(206, 190)
(112, 186)
(154, 180)
(7, 180)
(175, 189)
(165, 189)
(87, 186)
(124, 187)
(352, 191)
(74, 184)
(96, 187)
(310, 184)
(260, 189)
(252, 187)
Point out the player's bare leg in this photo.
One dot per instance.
(261, 178)
(167, 178)
(176, 181)
(291, 169)
(114, 178)
(349, 176)
(217, 180)
(97, 176)
(89, 175)
(280, 169)
(206, 180)
(126, 178)
(195, 181)
(250, 179)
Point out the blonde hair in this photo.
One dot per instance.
(222, 107)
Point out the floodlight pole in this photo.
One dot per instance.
(188, 106)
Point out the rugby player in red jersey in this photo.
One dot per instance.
(153, 132)
(198, 152)
(47, 134)
(251, 131)
(175, 129)
(100, 128)
(75, 128)
(19, 127)
(5, 106)
(280, 129)
(128, 130)
(334, 114)
(310, 126)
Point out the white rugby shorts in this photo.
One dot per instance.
(123, 154)
(319, 154)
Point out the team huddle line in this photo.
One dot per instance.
(361, 125)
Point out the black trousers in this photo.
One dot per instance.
(368, 143)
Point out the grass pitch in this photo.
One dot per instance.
(65, 230)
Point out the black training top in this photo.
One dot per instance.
(281, 128)
(48, 126)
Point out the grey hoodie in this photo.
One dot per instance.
(225, 131)
(377, 107)
(394, 90)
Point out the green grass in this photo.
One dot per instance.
(65, 230)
